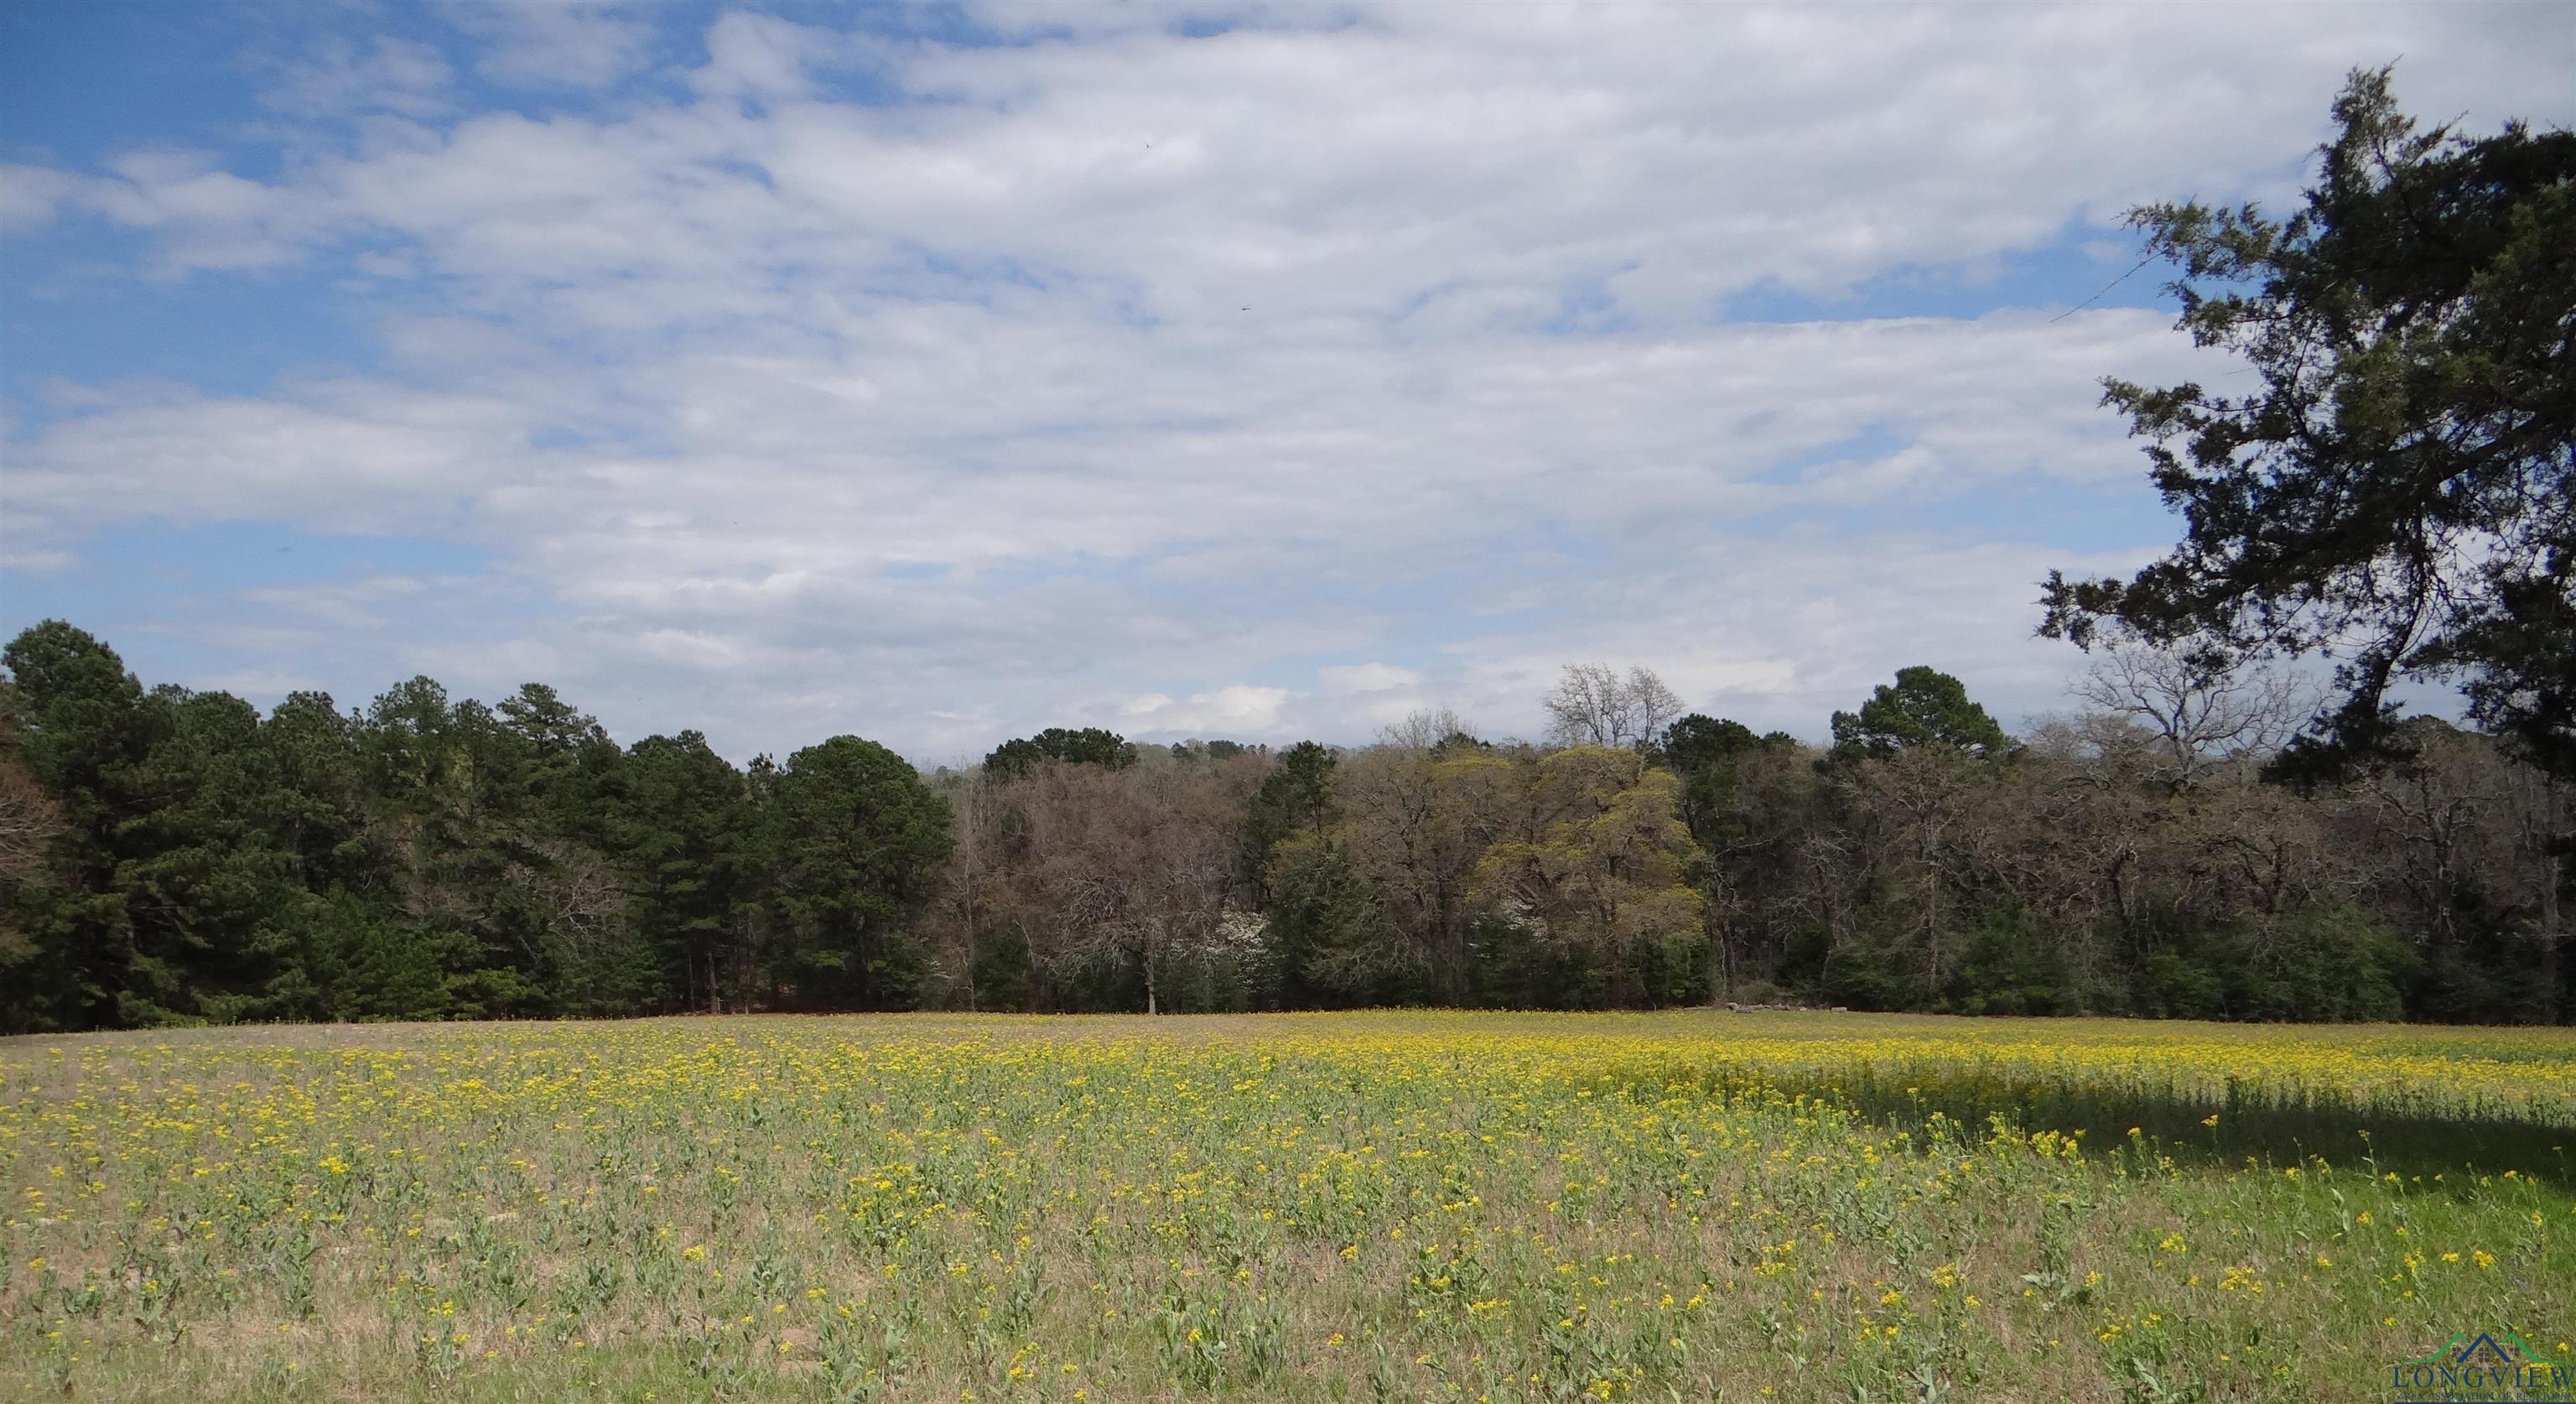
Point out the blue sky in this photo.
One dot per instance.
(941, 373)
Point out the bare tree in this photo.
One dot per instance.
(2198, 704)
(960, 916)
(2462, 827)
(1652, 706)
(1423, 729)
(30, 822)
(1594, 706)
(585, 927)
(29, 819)
(1128, 867)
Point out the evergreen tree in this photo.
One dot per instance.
(1088, 746)
(678, 820)
(84, 733)
(857, 838)
(1925, 709)
(2399, 489)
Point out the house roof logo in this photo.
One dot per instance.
(2490, 1367)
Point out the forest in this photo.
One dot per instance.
(173, 857)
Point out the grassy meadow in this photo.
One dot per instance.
(1692, 1205)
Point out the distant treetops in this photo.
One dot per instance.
(1088, 746)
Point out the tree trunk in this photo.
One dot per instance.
(2552, 936)
(1720, 957)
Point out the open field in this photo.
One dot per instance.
(1684, 1206)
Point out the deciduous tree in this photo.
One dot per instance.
(1594, 705)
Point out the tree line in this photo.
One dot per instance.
(170, 856)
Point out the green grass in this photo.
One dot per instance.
(1685, 1206)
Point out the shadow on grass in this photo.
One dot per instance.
(2418, 1137)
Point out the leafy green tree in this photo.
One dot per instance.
(497, 820)
(1459, 743)
(84, 732)
(1710, 756)
(1333, 942)
(677, 819)
(447, 782)
(1707, 753)
(372, 965)
(1323, 920)
(314, 760)
(307, 794)
(1088, 746)
(1296, 796)
(2324, 963)
(2396, 490)
(1925, 709)
(1219, 750)
(859, 839)
(1596, 864)
(83, 725)
(565, 763)
(189, 866)
(211, 890)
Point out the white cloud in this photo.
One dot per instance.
(690, 648)
(1123, 377)
(1365, 679)
(555, 43)
(351, 604)
(757, 56)
(339, 456)
(761, 576)
(1235, 710)
(337, 76)
(1452, 165)
(36, 560)
(30, 196)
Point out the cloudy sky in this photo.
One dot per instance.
(942, 373)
